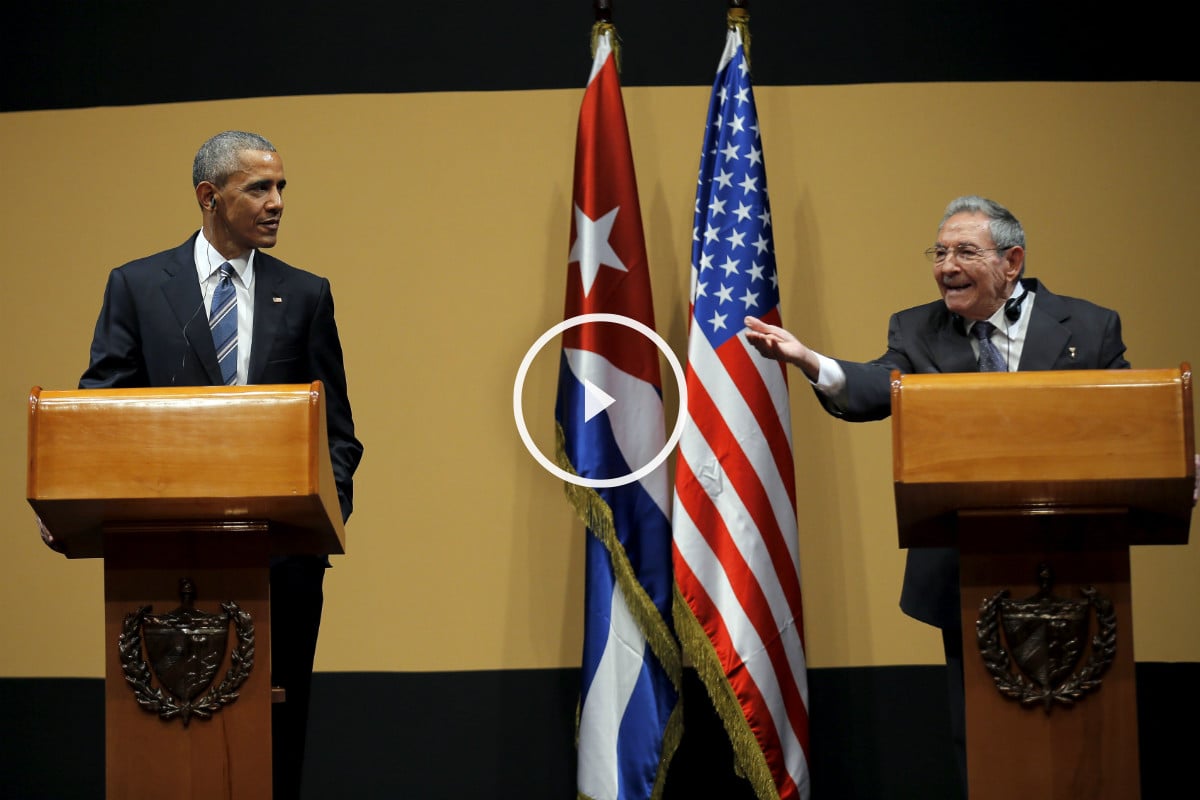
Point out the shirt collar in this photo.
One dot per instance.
(208, 261)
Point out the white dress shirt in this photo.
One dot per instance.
(208, 264)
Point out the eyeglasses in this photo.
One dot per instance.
(963, 253)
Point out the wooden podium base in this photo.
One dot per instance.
(1085, 751)
(130, 476)
(1067, 468)
(225, 757)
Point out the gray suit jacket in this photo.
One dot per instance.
(1063, 333)
(152, 331)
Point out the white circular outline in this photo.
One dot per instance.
(519, 414)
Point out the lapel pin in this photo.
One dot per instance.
(277, 299)
(1071, 350)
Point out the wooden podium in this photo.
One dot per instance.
(185, 493)
(1040, 476)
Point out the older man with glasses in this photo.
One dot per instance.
(989, 318)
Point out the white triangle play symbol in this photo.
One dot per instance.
(594, 400)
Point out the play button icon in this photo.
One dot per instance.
(594, 400)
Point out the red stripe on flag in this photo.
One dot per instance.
(743, 372)
(749, 594)
(750, 698)
(711, 423)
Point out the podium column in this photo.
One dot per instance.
(228, 755)
(1085, 750)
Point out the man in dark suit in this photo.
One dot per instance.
(978, 260)
(154, 330)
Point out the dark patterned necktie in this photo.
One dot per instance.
(990, 359)
(223, 321)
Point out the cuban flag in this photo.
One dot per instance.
(736, 549)
(609, 415)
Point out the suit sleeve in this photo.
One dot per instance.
(1112, 346)
(868, 394)
(325, 354)
(116, 360)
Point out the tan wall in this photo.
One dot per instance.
(442, 220)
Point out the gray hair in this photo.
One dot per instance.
(1006, 229)
(220, 156)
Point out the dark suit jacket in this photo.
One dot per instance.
(1063, 333)
(152, 331)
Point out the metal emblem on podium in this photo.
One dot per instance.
(1046, 636)
(185, 649)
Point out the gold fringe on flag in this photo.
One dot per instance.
(597, 516)
(747, 752)
(740, 18)
(598, 30)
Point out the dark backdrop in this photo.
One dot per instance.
(67, 54)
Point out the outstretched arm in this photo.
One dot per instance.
(777, 343)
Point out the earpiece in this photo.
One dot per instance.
(212, 205)
(1012, 308)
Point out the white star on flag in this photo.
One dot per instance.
(591, 248)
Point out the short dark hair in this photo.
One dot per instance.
(220, 156)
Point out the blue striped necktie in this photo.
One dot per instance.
(990, 359)
(223, 321)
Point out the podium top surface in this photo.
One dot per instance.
(101, 460)
(1046, 442)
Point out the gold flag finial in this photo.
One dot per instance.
(739, 17)
(603, 25)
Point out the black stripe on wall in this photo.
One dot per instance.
(877, 732)
(67, 54)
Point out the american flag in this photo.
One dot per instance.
(735, 539)
(610, 422)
